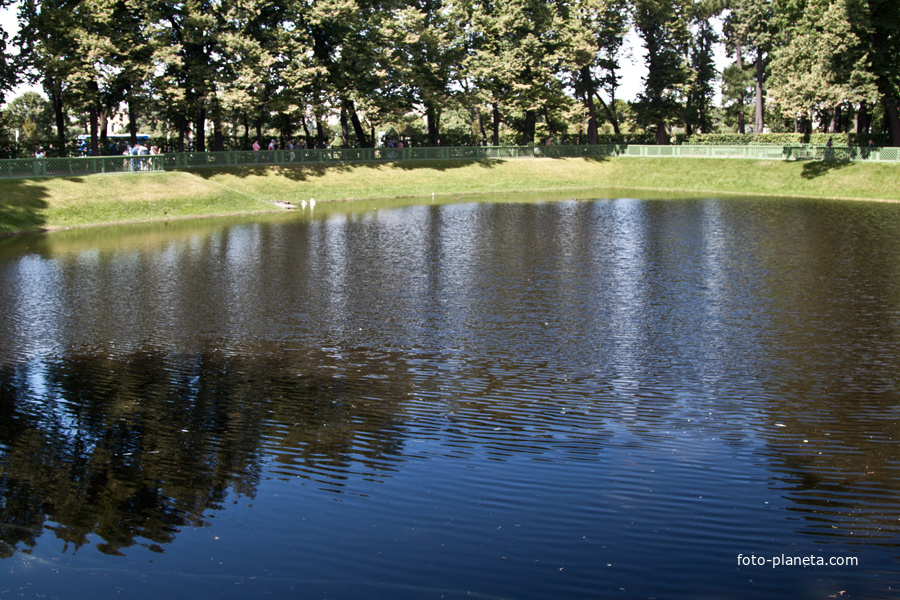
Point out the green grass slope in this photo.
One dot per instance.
(46, 204)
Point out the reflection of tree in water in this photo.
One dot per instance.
(139, 448)
(837, 462)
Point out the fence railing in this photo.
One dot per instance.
(75, 167)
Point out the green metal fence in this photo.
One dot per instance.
(75, 167)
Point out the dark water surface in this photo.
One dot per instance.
(617, 398)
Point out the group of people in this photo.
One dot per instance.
(301, 145)
(139, 149)
(273, 145)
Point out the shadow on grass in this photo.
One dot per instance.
(444, 165)
(304, 171)
(22, 202)
(812, 170)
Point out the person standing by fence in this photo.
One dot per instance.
(39, 167)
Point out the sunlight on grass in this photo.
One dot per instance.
(28, 205)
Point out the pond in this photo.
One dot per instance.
(510, 399)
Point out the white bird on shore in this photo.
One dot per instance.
(312, 203)
(303, 204)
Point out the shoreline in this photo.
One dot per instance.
(53, 204)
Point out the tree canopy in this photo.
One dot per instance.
(357, 72)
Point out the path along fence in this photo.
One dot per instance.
(77, 167)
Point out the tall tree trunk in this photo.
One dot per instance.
(95, 126)
(662, 137)
(200, 130)
(358, 130)
(609, 109)
(60, 117)
(345, 129)
(433, 123)
(495, 124)
(287, 129)
(182, 131)
(892, 115)
(836, 121)
(549, 121)
(760, 108)
(307, 134)
(528, 127)
(739, 60)
(587, 81)
(132, 115)
(218, 134)
(480, 118)
(862, 119)
(320, 132)
(218, 137)
(104, 133)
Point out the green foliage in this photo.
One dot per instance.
(473, 71)
(30, 115)
(737, 95)
(593, 37)
(788, 139)
(663, 25)
(824, 62)
(698, 110)
(8, 74)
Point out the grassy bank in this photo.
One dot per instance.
(41, 204)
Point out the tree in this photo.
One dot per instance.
(30, 115)
(255, 46)
(88, 55)
(47, 51)
(879, 37)
(737, 94)
(595, 33)
(823, 64)
(8, 72)
(350, 62)
(183, 37)
(429, 51)
(700, 90)
(515, 55)
(663, 25)
(749, 28)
